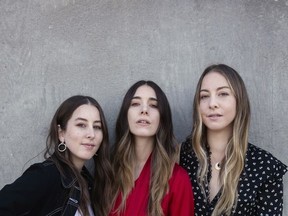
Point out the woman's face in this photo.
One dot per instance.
(217, 103)
(83, 134)
(143, 113)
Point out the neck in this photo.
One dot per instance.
(218, 142)
(78, 164)
(143, 149)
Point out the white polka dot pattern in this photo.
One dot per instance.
(260, 187)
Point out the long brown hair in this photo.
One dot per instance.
(237, 146)
(102, 168)
(163, 155)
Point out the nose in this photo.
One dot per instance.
(213, 102)
(90, 132)
(144, 109)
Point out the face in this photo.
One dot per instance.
(83, 134)
(143, 113)
(217, 103)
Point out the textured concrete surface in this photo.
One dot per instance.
(50, 50)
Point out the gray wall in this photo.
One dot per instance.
(50, 50)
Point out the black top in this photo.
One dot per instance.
(41, 190)
(260, 187)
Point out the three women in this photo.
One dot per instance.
(230, 176)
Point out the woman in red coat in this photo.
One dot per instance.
(147, 179)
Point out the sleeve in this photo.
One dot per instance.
(270, 195)
(25, 193)
(182, 200)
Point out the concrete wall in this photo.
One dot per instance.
(52, 49)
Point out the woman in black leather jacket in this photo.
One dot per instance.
(61, 185)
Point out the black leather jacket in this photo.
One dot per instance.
(41, 190)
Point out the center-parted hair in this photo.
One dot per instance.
(237, 146)
(163, 155)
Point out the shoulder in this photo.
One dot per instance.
(180, 194)
(264, 162)
(186, 146)
(43, 173)
(187, 155)
(179, 174)
(46, 167)
(180, 183)
(186, 150)
(37, 179)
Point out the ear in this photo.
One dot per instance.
(60, 134)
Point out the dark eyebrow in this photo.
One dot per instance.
(83, 119)
(223, 87)
(219, 88)
(80, 119)
(151, 98)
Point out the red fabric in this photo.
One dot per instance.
(178, 201)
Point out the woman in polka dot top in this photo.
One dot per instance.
(229, 175)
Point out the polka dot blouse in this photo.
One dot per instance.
(260, 187)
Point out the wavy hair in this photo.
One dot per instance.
(237, 146)
(163, 156)
(103, 175)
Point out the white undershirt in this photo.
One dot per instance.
(89, 209)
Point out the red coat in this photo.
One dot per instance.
(178, 201)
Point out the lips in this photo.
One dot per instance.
(214, 116)
(143, 122)
(88, 145)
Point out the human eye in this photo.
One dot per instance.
(81, 125)
(97, 127)
(223, 94)
(203, 96)
(134, 103)
(154, 104)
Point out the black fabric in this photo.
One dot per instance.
(260, 189)
(41, 191)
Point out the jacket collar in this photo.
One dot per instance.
(69, 179)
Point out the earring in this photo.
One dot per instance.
(62, 147)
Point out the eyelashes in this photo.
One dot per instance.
(82, 125)
(151, 104)
(222, 94)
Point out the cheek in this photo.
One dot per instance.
(130, 118)
(201, 107)
(158, 117)
(157, 120)
(202, 115)
(233, 108)
(72, 134)
(100, 136)
(202, 112)
(233, 114)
